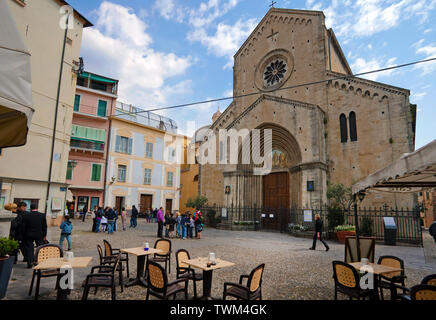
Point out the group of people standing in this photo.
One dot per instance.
(28, 228)
(106, 219)
(184, 226)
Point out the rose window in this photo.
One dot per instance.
(274, 72)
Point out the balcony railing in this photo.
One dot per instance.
(87, 145)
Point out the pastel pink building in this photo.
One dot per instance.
(94, 102)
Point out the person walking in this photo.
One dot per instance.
(148, 215)
(318, 233)
(34, 231)
(185, 224)
(14, 230)
(123, 217)
(167, 224)
(84, 212)
(160, 222)
(94, 218)
(155, 215)
(116, 218)
(171, 223)
(66, 228)
(432, 230)
(191, 227)
(21, 211)
(134, 217)
(110, 215)
(198, 224)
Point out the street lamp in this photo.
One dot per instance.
(361, 196)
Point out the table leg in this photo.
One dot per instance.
(139, 280)
(375, 294)
(207, 285)
(62, 294)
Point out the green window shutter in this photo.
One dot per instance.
(96, 172)
(101, 112)
(69, 171)
(76, 102)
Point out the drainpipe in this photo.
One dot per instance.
(56, 116)
(107, 154)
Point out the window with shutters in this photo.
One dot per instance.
(70, 170)
(171, 155)
(170, 177)
(343, 127)
(76, 102)
(123, 145)
(149, 150)
(96, 172)
(122, 172)
(147, 176)
(353, 127)
(102, 106)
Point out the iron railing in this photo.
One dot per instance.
(293, 220)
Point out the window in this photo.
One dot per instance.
(149, 150)
(2, 203)
(102, 105)
(96, 172)
(147, 176)
(171, 154)
(196, 178)
(123, 145)
(170, 176)
(98, 85)
(70, 170)
(353, 128)
(343, 126)
(94, 202)
(80, 81)
(122, 170)
(29, 202)
(76, 102)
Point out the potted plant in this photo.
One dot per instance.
(344, 231)
(7, 247)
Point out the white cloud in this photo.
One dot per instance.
(170, 10)
(226, 40)
(361, 65)
(417, 96)
(120, 47)
(430, 52)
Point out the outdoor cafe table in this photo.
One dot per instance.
(140, 254)
(377, 270)
(58, 263)
(201, 263)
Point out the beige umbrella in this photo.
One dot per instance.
(15, 82)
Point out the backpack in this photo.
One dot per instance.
(67, 227)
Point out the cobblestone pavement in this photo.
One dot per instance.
(291, 272)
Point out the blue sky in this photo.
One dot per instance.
(168, 52)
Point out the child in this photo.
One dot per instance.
(66, 228)
(171, 222)
(103, 223)
(191, 226)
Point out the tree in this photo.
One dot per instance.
(197, 202)
(339, 195)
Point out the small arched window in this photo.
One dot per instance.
(196, 178)
(343, 126)
(353, 127)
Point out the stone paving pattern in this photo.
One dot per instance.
(292, 271)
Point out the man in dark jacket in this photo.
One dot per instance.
(134, 217)
(16, 231)
(34, 230)
(318, 233)
(432, 230)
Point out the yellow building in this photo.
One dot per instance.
(143, 166)
(25, 171)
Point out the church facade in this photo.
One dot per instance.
(325, 130)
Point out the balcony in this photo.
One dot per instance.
(87, 146)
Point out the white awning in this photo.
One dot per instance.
(413, 172)
(15, 82)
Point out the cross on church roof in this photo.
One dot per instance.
(272, 4)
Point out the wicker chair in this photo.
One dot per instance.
(108, 260)
(395, 277)
(165, 246)
(423, 292)
(430, 280)
(253, 289)
(347, 281)
(367, 249)
(185, 272)
(158, 285)
(44, 252)
(105, 278)
(109, 251)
